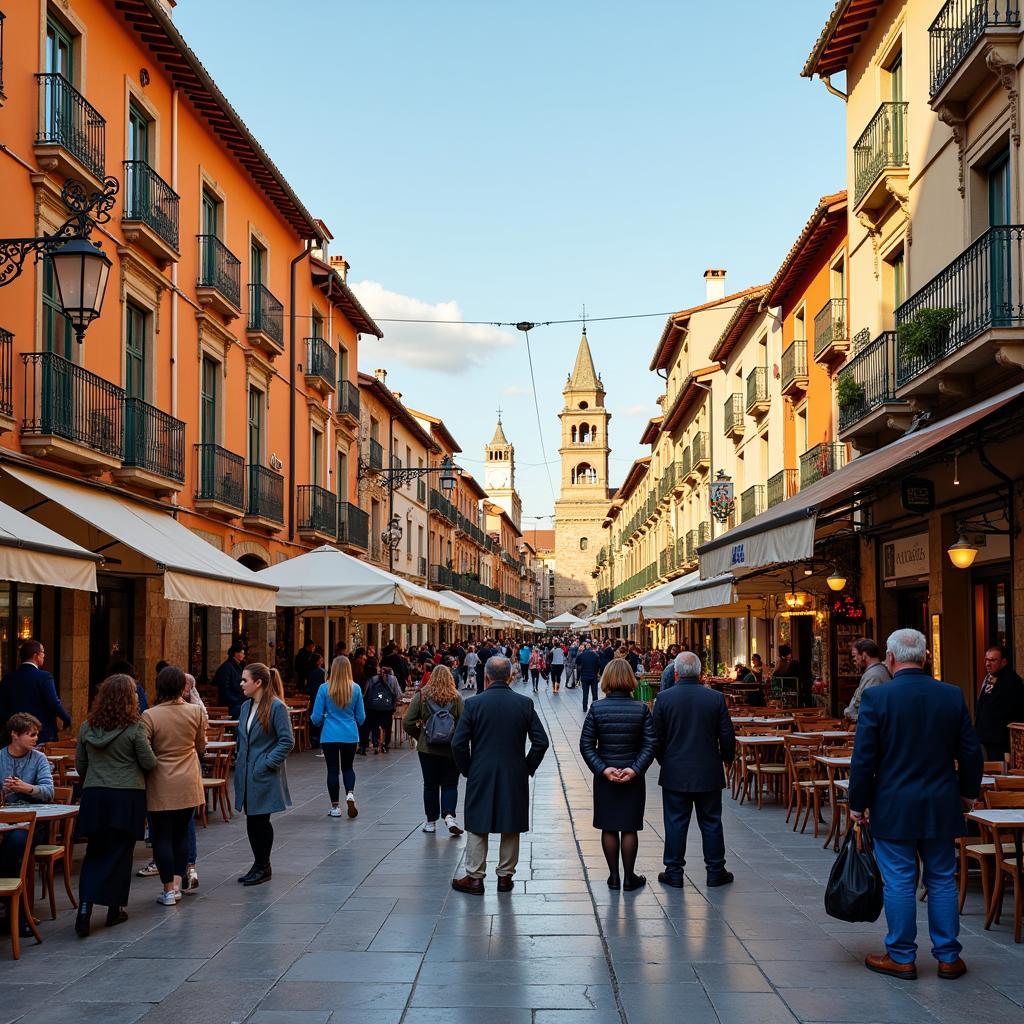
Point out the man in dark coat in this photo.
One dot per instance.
(1000, 702)
(31, 689)
(695, 740)
(228, 680)
(489, 749)
(588, 670)
(484, 653)
(916, 768)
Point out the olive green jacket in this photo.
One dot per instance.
(417, 715)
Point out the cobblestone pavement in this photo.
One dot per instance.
(359, 924)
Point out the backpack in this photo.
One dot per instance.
(439, 728)
(379, 696)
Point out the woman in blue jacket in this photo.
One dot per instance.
(337, 713)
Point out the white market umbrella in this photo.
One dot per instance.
(567, 621)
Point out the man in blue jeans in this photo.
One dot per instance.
(916, 770)
(588, 669)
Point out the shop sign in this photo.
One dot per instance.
(917, 495)
(847, 607)
(905, 557)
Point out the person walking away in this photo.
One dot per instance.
(381, 698)
(112, 756)
(867, 659)
(668, 675)
(1000, 702)
(190, 881)
(695, 740)
(265, 740)
(228, 680)
(618, 743)
(916, 770)
(588, 668)
(431, 721)
(489, 748)
(556, 666)
(305, 659)
(470, 660)
(536, 664)
(484, 653)
(31, 689)
(394, 660)
(570, 664)
(338, 712)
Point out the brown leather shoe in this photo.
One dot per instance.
(882, 963)
(470, 886)
(950, 972)
(505, 883)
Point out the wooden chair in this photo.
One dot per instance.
(994, 767)
(1007, 864)
(216, 783)
(16, 890)
(765, 771)
(803, 784)
(300, 723)
(60, 851)
(1009, 783)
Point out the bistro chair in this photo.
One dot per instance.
(994, 767)
(15, 890)
(803, 783)
(1007, 864)
(216, 784)
(1009, 783)
(60, 851)
(300, 722)
(766, 772)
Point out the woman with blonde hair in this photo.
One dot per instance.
(265, 740)
(338, 712)
(431, 720)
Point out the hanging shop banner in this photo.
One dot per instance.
(917, 495)
(905, 558)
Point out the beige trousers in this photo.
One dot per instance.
(476, 854)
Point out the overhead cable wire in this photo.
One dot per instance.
(525, 328)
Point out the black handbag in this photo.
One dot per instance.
(854, 889)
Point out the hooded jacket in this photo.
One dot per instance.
(114, 758)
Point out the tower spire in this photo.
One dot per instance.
(584, 376)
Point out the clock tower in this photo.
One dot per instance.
(500, 475)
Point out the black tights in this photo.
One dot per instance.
(261, 838)
(168, 831)
(630, 844)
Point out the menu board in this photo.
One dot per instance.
(847, 677)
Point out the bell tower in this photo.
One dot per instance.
(583, 500)
(500, 475)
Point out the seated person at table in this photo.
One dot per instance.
(27, 779)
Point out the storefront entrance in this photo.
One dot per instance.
(112, 627)
(993, 619)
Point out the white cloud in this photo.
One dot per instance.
(635, 411)
(449, 348)
(515, 390)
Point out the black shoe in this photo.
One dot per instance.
(259, 876)
(633, 882)
(116, 915)
(82, 920)
(613, 882)
(252, 871)
(676, 881)
(723, 879)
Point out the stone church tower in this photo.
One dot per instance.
(500, 475)
(583, 502)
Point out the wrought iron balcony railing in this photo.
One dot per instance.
(700, 448)
(757, 388)
(868, 380)
(752, 502)
(266, 313)
(6, 372)
(783, 485)
(220, 476)
(882, 144)
(353, 525)
(958, 27)
(794, 365)
(150, 200)
(316, 510)
(376, 454)
(703, 533)
(820, 461)
(733, 414)
(153, 440)
(219, 268)
(68, 120)
(321, 360)
(265, 494)
(66, 400)
(348, 399)
(830, 327)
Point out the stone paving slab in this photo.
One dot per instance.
(359, 923)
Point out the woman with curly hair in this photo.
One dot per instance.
(431, 720)
(113, 756)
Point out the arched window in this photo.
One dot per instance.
(574, 434)
(583, 543)
(584, 433)
(584, 473)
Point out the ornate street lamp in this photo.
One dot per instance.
(80, 267)
(447, 475)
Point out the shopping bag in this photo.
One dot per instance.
(854, 890)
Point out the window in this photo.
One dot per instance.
(60, 50)
(212, 214)
(584, 543)
(800, 324)
(138, 134)
(57, 333)
(257, 263)
(374, 430)
(316, 456)
(208, 401)
(342, 364)
(341, 481)
(256, 400)
(899, 280)
(408, 538)
(838, 280)
(997, 175)
(136, 344)
(318, 325)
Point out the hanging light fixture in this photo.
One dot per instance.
(447, 475)
(963, 553)
(80, 269)
(835, 580)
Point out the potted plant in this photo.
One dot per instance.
(929, 326)
(849, 391)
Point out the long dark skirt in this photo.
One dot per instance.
(112, 820)
(619, 806)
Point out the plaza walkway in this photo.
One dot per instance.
(359, 924)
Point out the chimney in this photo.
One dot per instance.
(714, 282)
(340, 264)
(381, 375)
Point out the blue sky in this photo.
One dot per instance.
(509, 161)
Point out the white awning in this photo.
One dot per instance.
(696, 595)
(566, 621)
(655, 603)
(470, 613)
(789, 542)
(32, 553)
(140, 540)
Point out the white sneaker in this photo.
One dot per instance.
(350, 799)
(429, 826)
(453, 825)
(167, 899)
(334, 812)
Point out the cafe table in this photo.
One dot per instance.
(829, 734)
(228, 723)
(762, 720)
(753, 745)
(1004, 820)
(214, 745)
(45, 813)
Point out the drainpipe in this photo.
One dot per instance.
(292, 371)
(174, 265)
(826, 80)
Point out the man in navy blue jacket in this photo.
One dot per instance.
(31, 689)
(916, 769)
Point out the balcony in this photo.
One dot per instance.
(703, 533)
(265, 328)
(321, 363)
(820, 461)
(6, 380)
(264, 508)
(218, 285)
(667, 483)
(869, 411)
(348, 401)
(685, 466)
(681, 552)
(316, 515)
(667, 560)
(353, 527)
(72, 135)
(831, 337)
(70, 413)
(700, 451)
(758, 401)
(733, 425)
(421, 566)
(375, 458)
(441, 506)
(220, 481)
(517, 604)
(794, 369)
(880, 158)
(691, 547)
(965, 320)
(150, 218)
(752, 502)
(783, 485)
(154, 448)
(960, 40)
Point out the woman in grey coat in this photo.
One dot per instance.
(261, 785)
